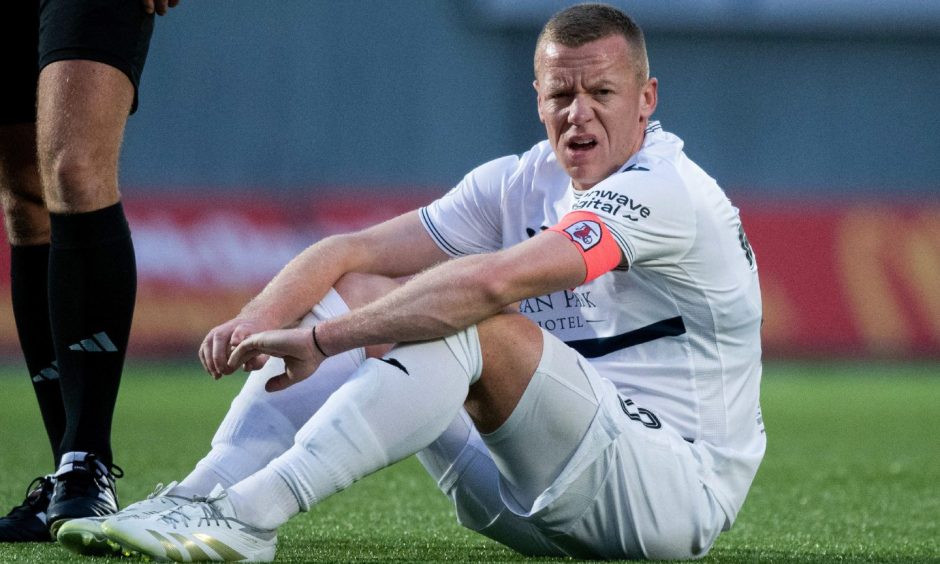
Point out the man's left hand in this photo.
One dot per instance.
(295, 346)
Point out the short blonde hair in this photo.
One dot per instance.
(584, 23)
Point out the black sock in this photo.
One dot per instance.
(29, 288)
(92, 288)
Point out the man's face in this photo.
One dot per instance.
(594, 107)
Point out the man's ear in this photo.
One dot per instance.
(649, 97)
(538, 99)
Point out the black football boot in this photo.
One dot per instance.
(27, 522)
(84, 487)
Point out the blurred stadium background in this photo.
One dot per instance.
(265, 125)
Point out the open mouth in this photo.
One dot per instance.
(582, 143)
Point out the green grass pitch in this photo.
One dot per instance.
(852, 472)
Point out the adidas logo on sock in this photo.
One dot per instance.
(99, 342)
(49, 373)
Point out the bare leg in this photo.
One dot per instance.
(83, 106)
(512, 347)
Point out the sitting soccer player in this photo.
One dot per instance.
(578, 358)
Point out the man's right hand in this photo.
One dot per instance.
(222, 340)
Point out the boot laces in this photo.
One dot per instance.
(202, 509)
(37, 496)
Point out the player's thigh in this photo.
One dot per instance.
(80, 122)
(91, 54)
(647, 499)
(547, 424)
(615, 481)
(113, 32)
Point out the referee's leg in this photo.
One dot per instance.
(91, 53)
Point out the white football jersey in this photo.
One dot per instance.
(677, 327)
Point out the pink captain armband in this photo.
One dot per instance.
(593, 240)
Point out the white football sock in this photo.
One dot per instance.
(279, 505)
(259, 425)
(388, 410)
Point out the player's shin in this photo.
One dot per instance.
(259, 425)
(390, 409)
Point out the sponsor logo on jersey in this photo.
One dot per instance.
(563, 314)
(614, 203)
(585, 233)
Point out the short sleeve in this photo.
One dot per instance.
(649, 214)
(467, 220)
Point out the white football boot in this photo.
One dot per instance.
(84, 536)
(204, 529)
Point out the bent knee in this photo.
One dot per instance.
(512, 338)
(511, 346)
(25, 216)
(358, 289)
(77, 182)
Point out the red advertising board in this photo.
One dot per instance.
(858, 279)
(847, 280)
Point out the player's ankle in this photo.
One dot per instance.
(264, 500)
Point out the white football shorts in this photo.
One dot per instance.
(629, 489)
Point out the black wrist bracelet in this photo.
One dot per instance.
(317, 343)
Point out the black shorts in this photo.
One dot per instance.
(38, 32)
(19, 36)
